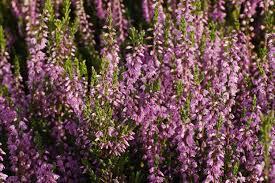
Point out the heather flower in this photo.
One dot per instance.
(271, 67)
(16, 8)
(7, 79)
(22, 154)
(3, 176)
(44, 173)
(100, 8)
(84, 25)
(271, 156)
(148, 9)
(219, 11)
(37, 44)
(119, 20)
(250, 147)
(267, 141)
(116, 10)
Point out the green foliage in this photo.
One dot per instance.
(156, 15)
(167, 26)
(83, 69)
(248, 82)
(94, 80)
(236, 168)
(203, 44)
(136, 37)
(198, 7)
(4, 91)
(183, 25)
(74, 27)
(179, 88)
(153, 86)
(2, 40)
(198, 77)
(219, 123)
(261, 69)
(185, 109)
(16, 66)
(69, 67)
(156, 85)
(66, 12)
(49, 13)
(58, 30)
(269, 20)
(268, 122)
(254, 103)
(263, 52)
(136, 177)
(192, 38)
(213, 30)
(235, 18)
(41, 133)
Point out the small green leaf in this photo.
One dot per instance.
(236, 168)
(213, 30)
(69, 67)
(2, 40)
(17, 66)
(179, 88)
(254, 103)
(156, 14)
(183, 25)
(219, 123)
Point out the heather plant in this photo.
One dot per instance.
(137, 91)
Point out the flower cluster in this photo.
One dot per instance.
(137, 91)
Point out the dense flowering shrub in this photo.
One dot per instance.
(137, 91)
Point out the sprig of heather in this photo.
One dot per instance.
(148, 10)
(20, 137)
(271, 175)
(218, 13)
(213, 123)
(177, 90)
(106, 130)
(70, 89)
(267, 140)
(107, 99)
(7, 79)
(251, 10)
(158, 34)
(23, 156)
(7, 118)
(115, 9)
(259, 79)
(219, 97)
(271, 66)
(62, 92)
(3, 176)
(187, 90)
(140, 107)
(85, 27)
(152, 114)
(110, 50)
(248, 146)
(100, 8)
(119, 19)
(30, 11)
(16, 8)
(38, 40)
